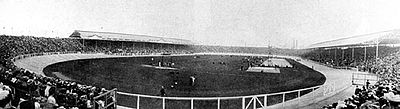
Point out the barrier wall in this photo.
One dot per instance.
(239, 102)
(362, 78)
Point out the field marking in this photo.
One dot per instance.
(264, 69)
(277, 62)
(158, 67)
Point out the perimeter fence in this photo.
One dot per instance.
(293, 98)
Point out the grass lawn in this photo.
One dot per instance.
(212, 78)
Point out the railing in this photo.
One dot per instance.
(140, 53)
(362, 78)
(108, 99)
(139, 101)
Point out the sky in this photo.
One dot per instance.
(211, 22)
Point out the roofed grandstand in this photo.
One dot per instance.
(376, 54)
(35, 87)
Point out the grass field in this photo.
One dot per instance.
(212, 78)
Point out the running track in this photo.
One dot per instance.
(338, 81)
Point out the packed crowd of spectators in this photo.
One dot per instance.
(389, 64)
(252, 50)
(384, 94)
(47, 92)
(23, 89)
(348, 57)
(134, 48)
(20, 88)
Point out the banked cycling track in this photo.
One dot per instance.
(337, 85)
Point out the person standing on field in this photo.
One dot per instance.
(192, 79)
(162, 91)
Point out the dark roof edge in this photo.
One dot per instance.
(75, 31)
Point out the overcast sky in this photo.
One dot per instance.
(216, 22)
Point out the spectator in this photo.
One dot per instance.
(162, 91)
(5, 95)
(52, 103)
(41, 90)
(192, 78)
(385, 93)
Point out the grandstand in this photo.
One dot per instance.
(110, 36)
(374, 59)
(356, 50)
(32, 85)
(130, 43)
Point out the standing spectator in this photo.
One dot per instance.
(367, 84)
(52, 103)
(162, 91)
(30, 103)
(358, 90)
(192, 78)
(5, 96)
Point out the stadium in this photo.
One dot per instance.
(199, 54)
(113, 72)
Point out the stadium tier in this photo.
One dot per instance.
(377, 54)
(18, 83)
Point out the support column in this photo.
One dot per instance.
(298, 98)
(243, 103)
(377, 51)
(83, 43)
(365, 54)
(342, 56)
(329, 51)
(336, 62)
(283, 100)
(352, 53)
(191, 104)
(352, 78)
(115, 97)
(254, 103)
(163, 103)
(137, 102)
(219, 103)
(319, 54)
(265, 101)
